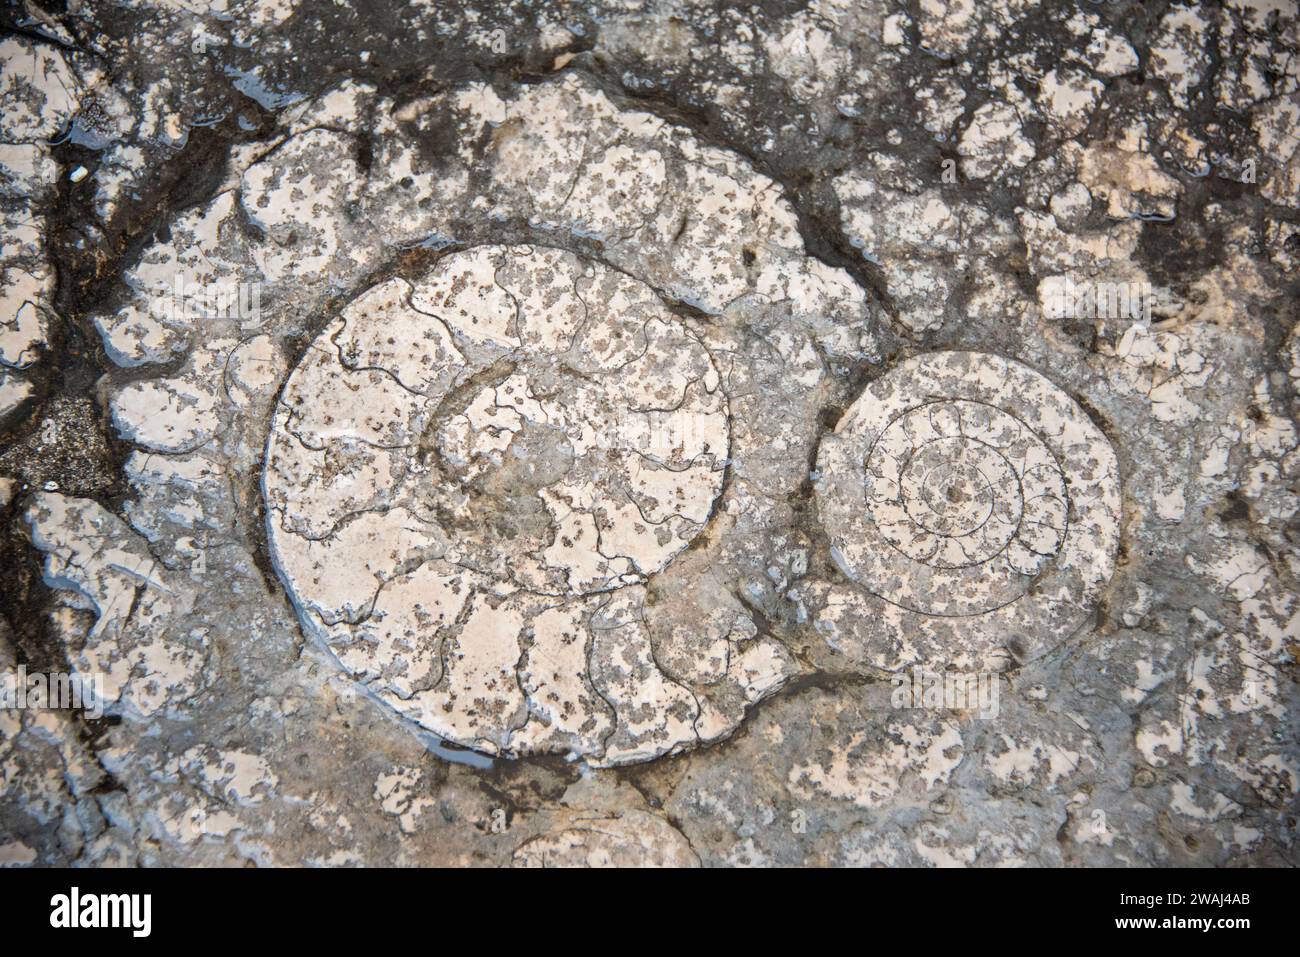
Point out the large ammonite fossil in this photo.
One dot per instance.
(469, 479)
(975, 506)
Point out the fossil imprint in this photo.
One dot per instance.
(977, 507)
(471, 477)
(475, 477)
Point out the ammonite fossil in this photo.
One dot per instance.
(976, 508)
(471, 476)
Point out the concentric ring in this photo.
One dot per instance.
(965, 486)
(472, 474)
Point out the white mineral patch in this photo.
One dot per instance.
(1179, 50)
(1109, 54)
(1128, 179)
(869, 769)
(38, 91)
(22, 324)
(628, 839)
(147, 661)
(994, 142)
(14, 391)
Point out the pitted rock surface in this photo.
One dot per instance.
(641, 395)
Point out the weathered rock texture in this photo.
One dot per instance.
(545, 434)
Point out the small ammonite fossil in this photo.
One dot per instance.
(974, 506)
(470, 478)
